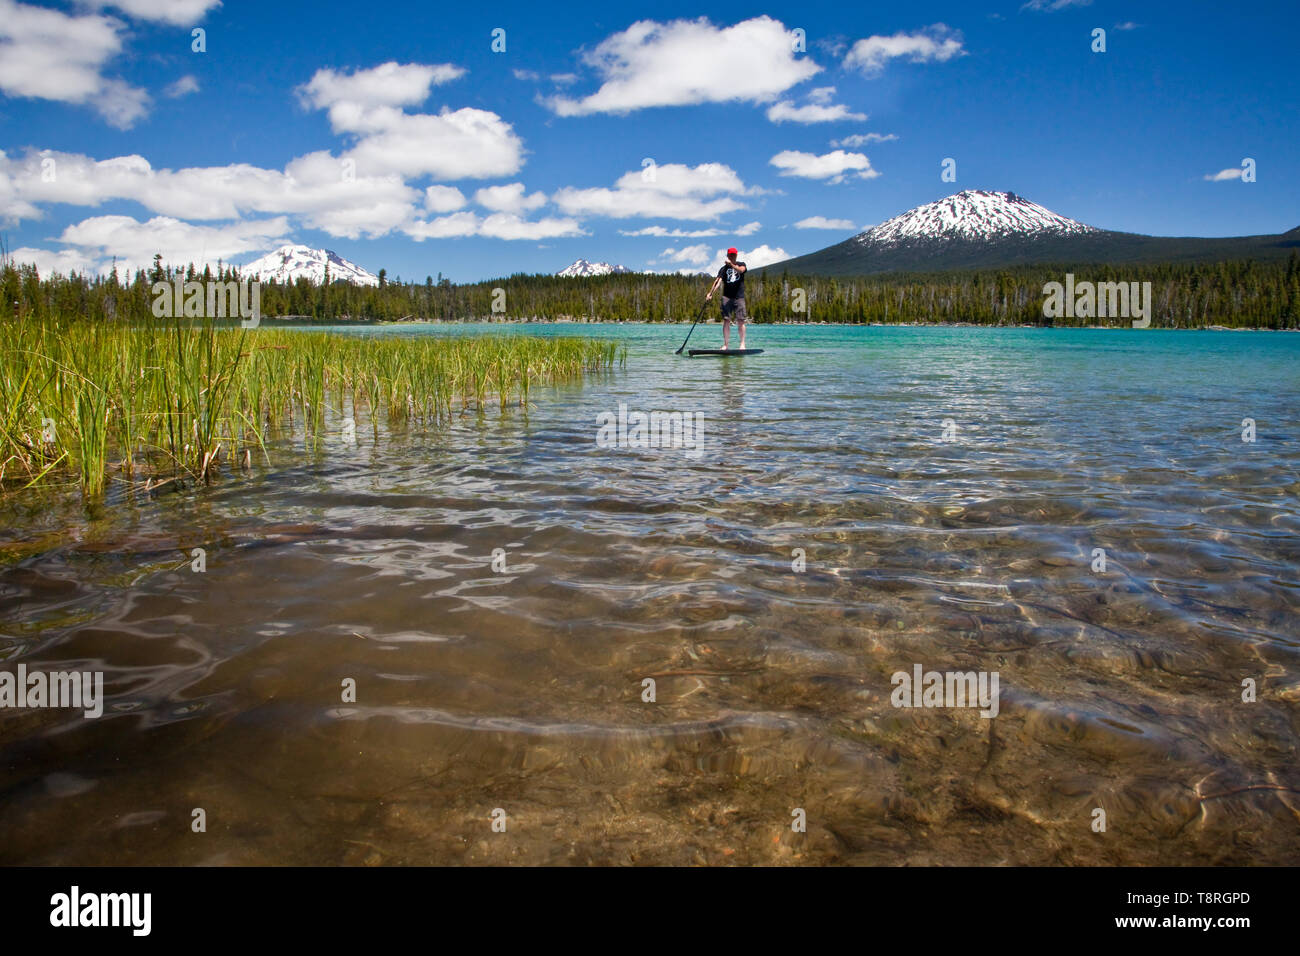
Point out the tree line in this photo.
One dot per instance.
(1235, 294)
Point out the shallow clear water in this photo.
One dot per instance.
(968, 546)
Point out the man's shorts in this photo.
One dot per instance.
(734, 307)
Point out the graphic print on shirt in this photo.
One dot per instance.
(733, 281)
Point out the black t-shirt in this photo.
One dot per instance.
(733, 281)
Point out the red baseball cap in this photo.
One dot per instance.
(732, 251)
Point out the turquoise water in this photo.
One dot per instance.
(864, 501)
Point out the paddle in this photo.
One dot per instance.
(693, 324)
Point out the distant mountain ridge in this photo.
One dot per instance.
(978, 229)
(582, 267)
(293, 262)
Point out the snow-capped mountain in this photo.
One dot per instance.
(972, 229)
(973, 214)
(584, 268)
(290, 263)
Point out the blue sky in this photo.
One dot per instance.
(651, 135)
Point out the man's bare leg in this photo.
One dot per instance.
(726, 333)
(740, 324)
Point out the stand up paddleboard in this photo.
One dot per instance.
(723, 353)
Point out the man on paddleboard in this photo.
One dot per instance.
(732, 278)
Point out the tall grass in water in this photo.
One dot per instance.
(88, 403)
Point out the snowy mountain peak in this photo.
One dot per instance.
(290, 263)
(973, 214)
(584, 268)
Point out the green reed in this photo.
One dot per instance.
(89, 403)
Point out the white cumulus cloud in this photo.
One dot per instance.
(748, 229)
(389, 84)
(834, 167)
(670, 191)
(50, 261)
(509, 198)
(499, 225)
(858, 140)
(686, 62)
(937, 43)
(179, 13)
(1051, 6)
(452, 144)
(314, 187)
(811, 113)
(687, 260)
(504, 225)
(759, 256)
(821, 222)
(183, 87)
(818, 109)
(443, 199)
(455, 144)
(50, 55)
(135, 243)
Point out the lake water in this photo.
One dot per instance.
(865, 501)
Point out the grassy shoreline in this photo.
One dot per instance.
(715, 320)
(91, 402)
